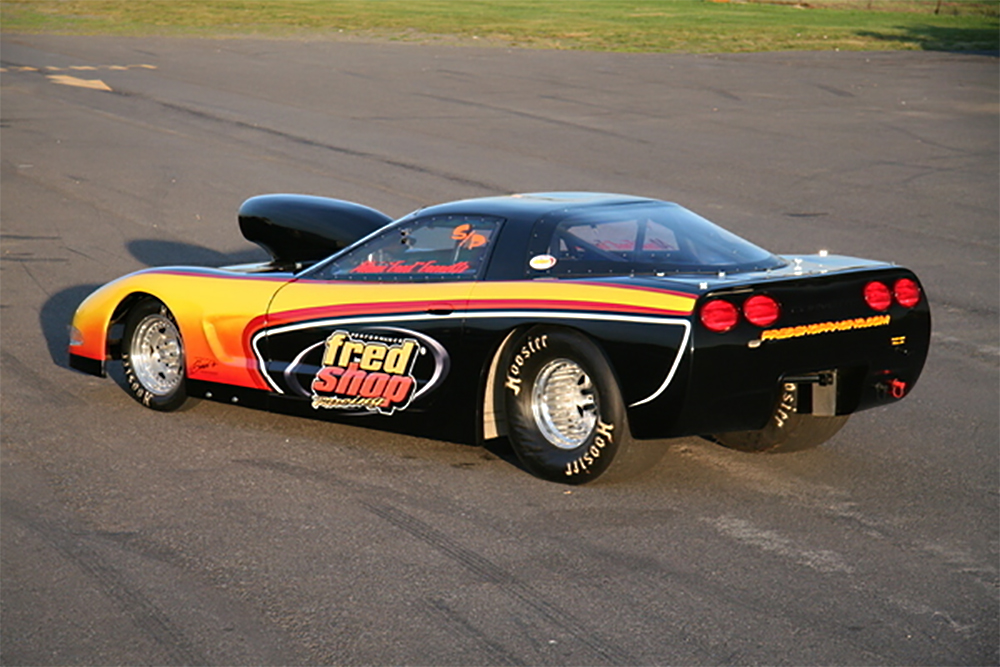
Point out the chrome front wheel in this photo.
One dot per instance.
(153, 356)
(156, 353)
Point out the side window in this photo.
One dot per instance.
(616, 236)
(452, 247)
(611, 240)
(616, 241)
(593, 241)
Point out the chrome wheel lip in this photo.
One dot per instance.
(157, 355)
(564, 404)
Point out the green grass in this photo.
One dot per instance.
(694, 26)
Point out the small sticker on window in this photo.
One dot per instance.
(542, 262)
(468, 238)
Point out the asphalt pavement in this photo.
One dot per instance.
(220, 535)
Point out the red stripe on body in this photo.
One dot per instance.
(570, 306)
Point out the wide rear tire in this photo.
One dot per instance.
(566, 419)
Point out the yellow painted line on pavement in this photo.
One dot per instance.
(65, 80)
(93, 84)
(79, 68)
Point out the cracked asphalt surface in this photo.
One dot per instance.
(227, 536)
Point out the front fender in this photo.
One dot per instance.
(215, 311)
(88, 335)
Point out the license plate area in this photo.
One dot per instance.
(815, 393)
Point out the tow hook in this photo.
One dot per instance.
(897, 388)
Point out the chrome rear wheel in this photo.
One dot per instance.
(564, 404)
(566, 420)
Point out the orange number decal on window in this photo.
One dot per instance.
(468, 238)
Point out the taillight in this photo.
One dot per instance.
(761, 310)
(878, 296)
(719, 315)
(907, 292)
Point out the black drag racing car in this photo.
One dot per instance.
(578, 325)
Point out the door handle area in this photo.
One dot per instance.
(441, 308)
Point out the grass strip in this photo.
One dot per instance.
(692, 26)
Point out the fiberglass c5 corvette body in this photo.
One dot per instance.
(576, 324)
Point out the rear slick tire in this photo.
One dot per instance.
(786, 431)
(153, 356)
(566, 418)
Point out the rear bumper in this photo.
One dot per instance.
(871, 368)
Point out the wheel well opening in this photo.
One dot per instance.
(116, 325)
(493, 422)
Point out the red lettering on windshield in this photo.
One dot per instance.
(399, 266)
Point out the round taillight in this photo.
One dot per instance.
(761, 310)
(878, 296)
(719, 315)
(907, 292)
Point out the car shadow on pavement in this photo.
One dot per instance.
(55, 318)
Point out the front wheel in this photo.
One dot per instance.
(153, 356)
(566, 418)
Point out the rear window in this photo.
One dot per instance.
(648, 237)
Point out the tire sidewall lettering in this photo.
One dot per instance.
(592, 449)
(786, 405)
(531, 346)
(525, 360)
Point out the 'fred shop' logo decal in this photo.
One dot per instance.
(373, 375)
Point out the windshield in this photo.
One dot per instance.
(649, 237)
